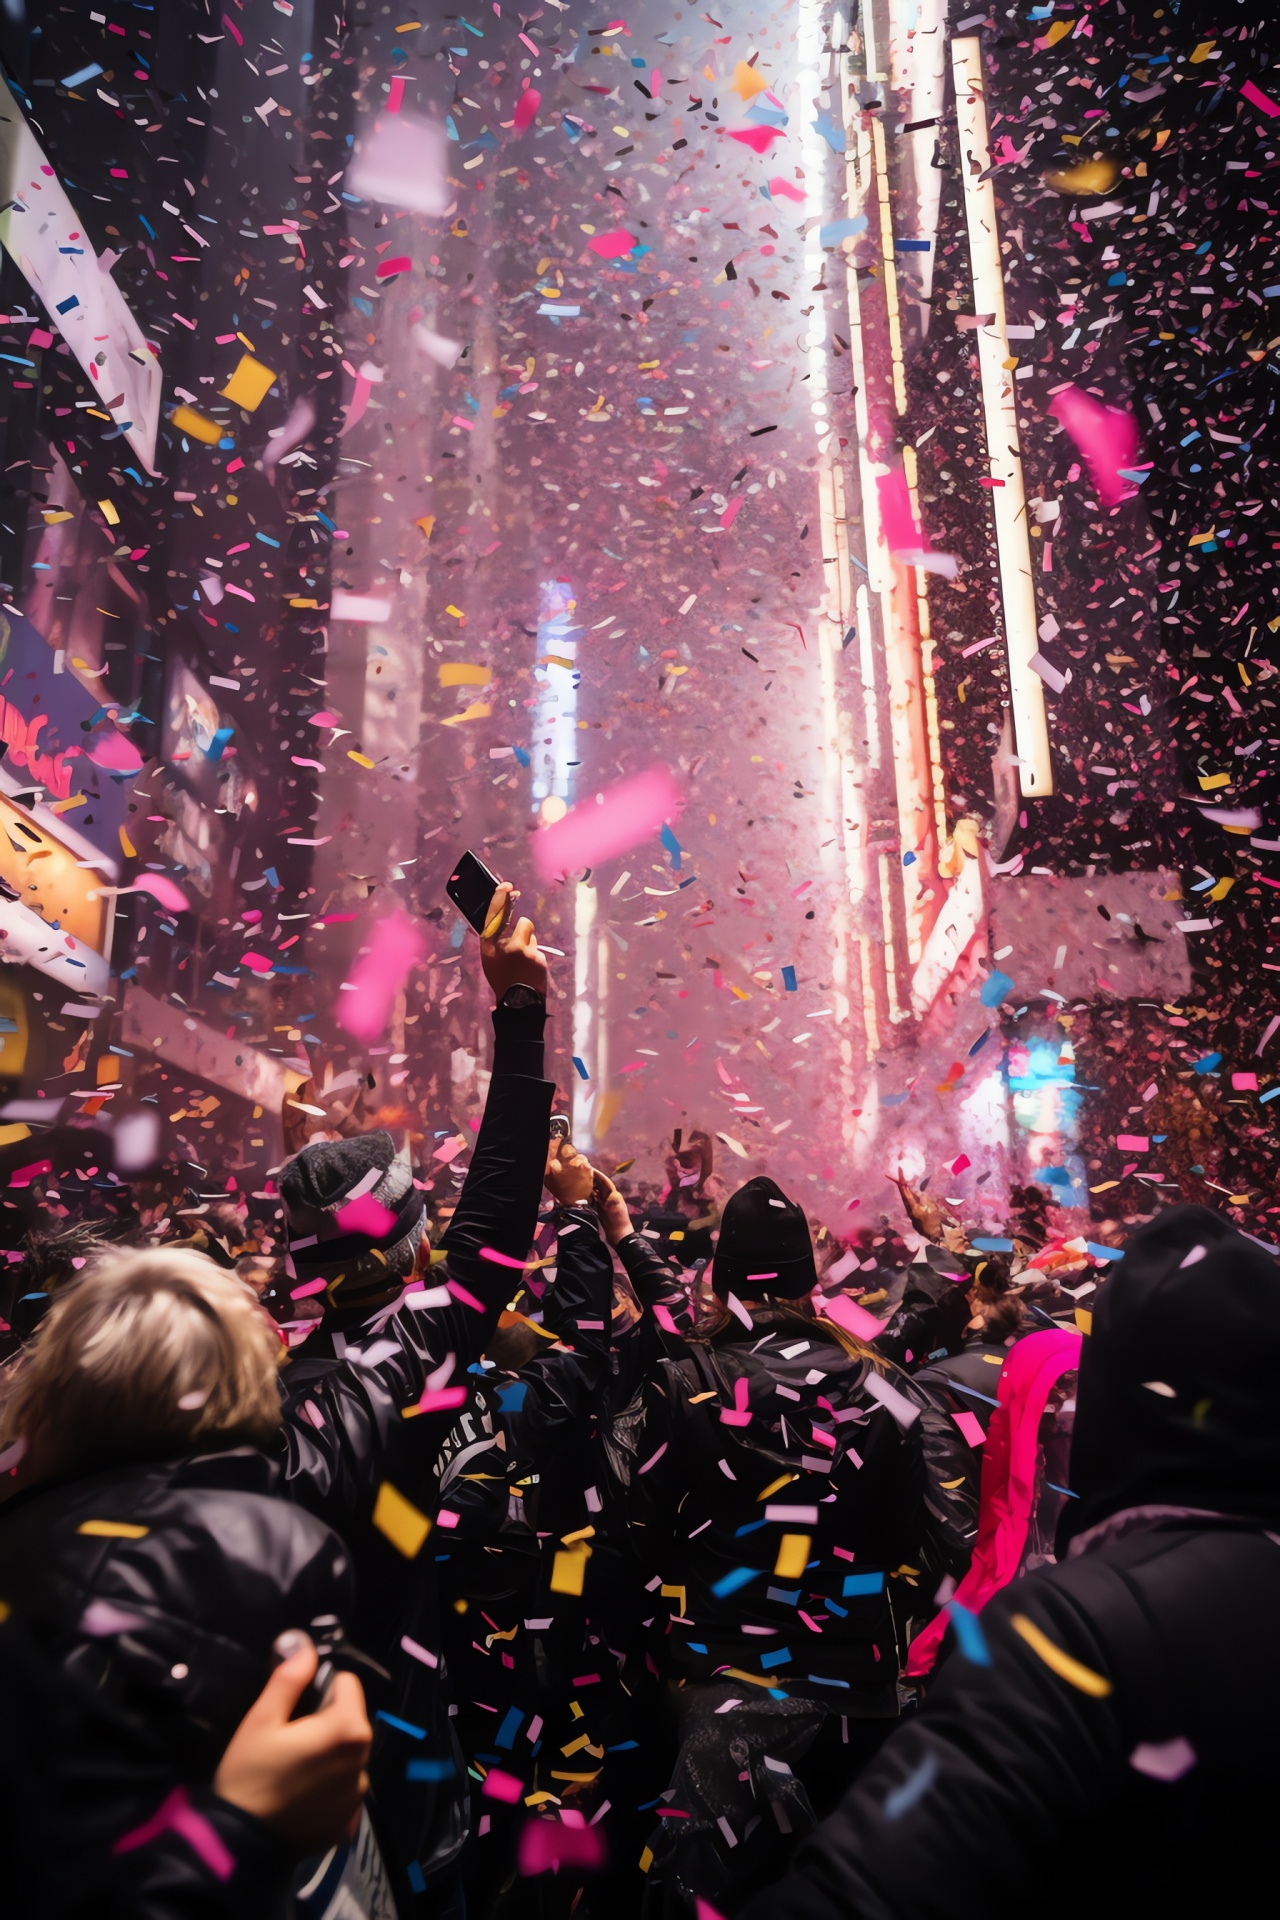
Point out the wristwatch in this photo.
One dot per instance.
(522, 996)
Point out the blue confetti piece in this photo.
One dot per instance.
(739, 1577)
(862, 1583)
(913, 1788)
(413, 1872)
(522, 756)
(1270, 1095)
(582, 1072)
(831, 133)
(1206, 1063)
(912, 246)
(82, 74)
(219, 743)
(402, 1726)
(505, 1736)
(992, 1246)
(1104, 1253)
(511, 1397)
(980, 1042)
(789, 979)
(995, 988)
(969, 1635)
(672, 846)
(777, 1658)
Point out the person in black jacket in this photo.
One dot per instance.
(153, 1553)
(1103, 1736)
(781, 1486)
(95, 1825)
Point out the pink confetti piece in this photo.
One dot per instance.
(502, 1786)
(1106, 436)
(848, 1314)
(178, 1814)
(112, 751)
(378, 976)
(365, 1215)
(548, 1844)
(653, 1459)
(1132, 1142)
(161, 888)
(526, 109)
(971, 1427)
(256, 962)
(441, 1399)
(500, 1259)
(611, 246)
(786, 188)
(1163, 1760)
(597, 829)
(740, 1416)
(307, 1288)
(1257, 98)
(757, 138)
(459, 1292)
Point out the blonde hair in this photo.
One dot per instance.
(144, 1355)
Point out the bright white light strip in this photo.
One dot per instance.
(41, 231)
(838, 792)
(584, 1091)
(556, 713)
(1009, 503)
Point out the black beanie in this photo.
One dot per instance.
(764, 1245)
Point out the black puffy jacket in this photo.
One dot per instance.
(163, 1585)
(759, 1442)
(1103, 1740)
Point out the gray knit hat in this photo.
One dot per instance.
(335, 1234)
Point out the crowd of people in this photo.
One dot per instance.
(576, 1549)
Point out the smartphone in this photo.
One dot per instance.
(471, 887)
(560, 1126)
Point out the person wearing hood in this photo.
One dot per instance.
(780, 1485)
(1103, 1732)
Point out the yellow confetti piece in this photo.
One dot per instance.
(1208, 781)
(107, 509)
(250, 384)
(478, 710)
(949, 1486)
(698, 1398)
(572, 1539)
(774, 1486)
(1084, 1320)
(361, 759)
(646, 1860)
(570, 1569)
(1058, 31)
(1059, 1662)
(457, 612)
(130, 851)
(1090, 178)
(582, 1779)
(198, 425)
(402, 1523)
(53, 515)
(1200, 52)
(676, 1593)
(112, 1530)
(1222, 889)
(458, 673)
(65, 806)
(427, 523)
(1105, 1187)
(752, 1679)
(793, 1555)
